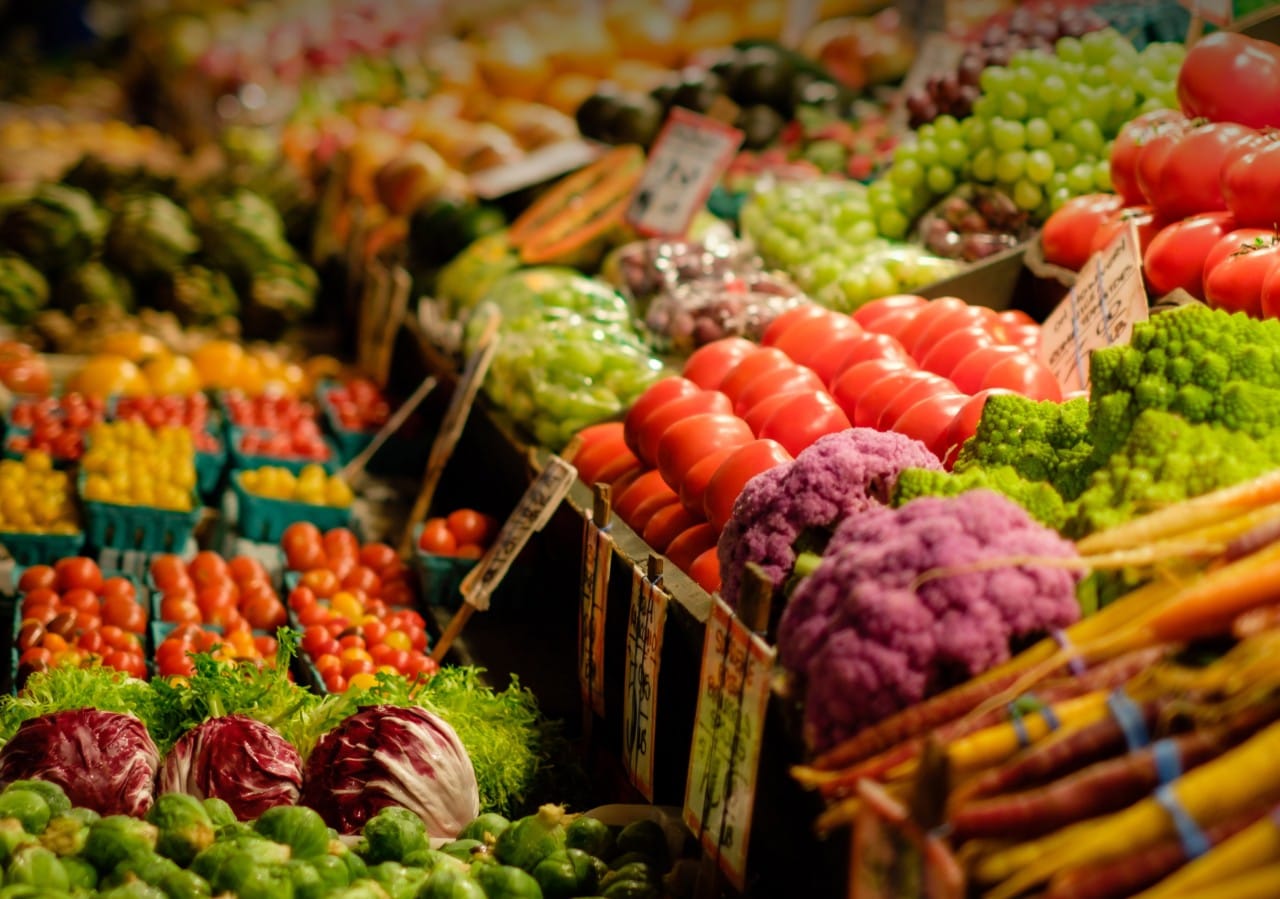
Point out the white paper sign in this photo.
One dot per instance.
(645, 627)
(1107, 300)
(686, 161)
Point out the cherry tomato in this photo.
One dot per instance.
(81, 600)
(436, 538)
(803, 419)
(709, 363)
(303, 546)
(322, 582)
(366, 580)
(177, 608)
(265, 613)
(125, 614)
(208, 568)
(119, 586)
(733, 474)
(37, 577)
(692, 439)
(246, 568)
(301, 597)
(78, 571)
(341, 542)
(378, 556)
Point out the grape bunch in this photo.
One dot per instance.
(1031, 27)
(1041, 128)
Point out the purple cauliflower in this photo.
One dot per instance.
(836, 476)
(865, 640)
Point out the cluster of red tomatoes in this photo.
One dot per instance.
(71, 613)
(464, 533)
(56, 425)
(690, 443)
(1205, 199)
(353, 605)
(358, 405)
(190, 412)
(282, 427)
(214, 601)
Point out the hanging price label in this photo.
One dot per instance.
(1215, 12)
(645, 626)
(724, 763)
(1106, 301)
(685, 163)
(597, 560)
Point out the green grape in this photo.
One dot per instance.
(824, 270)
(1080, 178)
(1010, 166)
(1057, 182)
(1024, 79)
(1063, 154)
(1069, 49)
(906, 173)
(1039, 133)
(1013, 105)
(1123, 99)
(983, 167)
(954, 154)
(976, 132)
(940, 179)
(986, 106)
(1027, 195)
(853, 284)
(1102, 176)
(862, 231)
(1008, 135)
(881, 282)
(1052, 89)
(891, 223)
(1059, 196)
(1059, 119)
(1086, 135)
(995, 79)
(1096, 76)
(1039, 166)
(927, 152)
(946, 127)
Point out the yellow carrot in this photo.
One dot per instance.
(1209, 793)
(1256, 845)
(1200, 511)
(1260, 883)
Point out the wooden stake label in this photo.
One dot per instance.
(686, 161)
(645, 626)
(530, 515)
(1106, 301)
(597, 561)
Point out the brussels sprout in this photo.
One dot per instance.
(506, 880)
(134, 889)
(80, 874)
(591, 835)
(220, 812)
(465, 850)
(356, 868)
(53, 794)
(184, 826)
(566, 873)
(298, 827)
(486, 827)
(528, 840)
(150, 868)
(391, 834)
(28, 806)
(234, 830)
(65, 835)
(37, 866)
(306, 880)
(12, 838)
(365, 889)
(183, 884)
(333, 871)
(450, 883)
(648, 837)
(116, 837)
(399, 881)
(27, 891)
(246, 878)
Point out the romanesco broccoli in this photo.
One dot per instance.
(1041, 501)
(1041, 441)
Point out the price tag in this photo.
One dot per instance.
(1215, 12)
(1106, 301)
(702, 797)
(597, 559)
(645, 625)
(684, 165)
(530, 514)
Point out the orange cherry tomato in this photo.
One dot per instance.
(37, 577)
(436, 538)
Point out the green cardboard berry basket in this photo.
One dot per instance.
(439, 577)
(145, 528)
(41, 549)
(398, 455)
(264, 519)
(242, 461)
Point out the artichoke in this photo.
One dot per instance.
(94, 284)
(244, 235)
(198, 295)
(23, 290)
(281, 293)
(108, 179)
(150, 235)
(56, 228)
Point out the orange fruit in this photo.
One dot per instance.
(172, 375)
(217, 362)
(132, 345)
(105, 374)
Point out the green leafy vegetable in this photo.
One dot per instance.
(63, 688)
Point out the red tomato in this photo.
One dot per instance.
(854, 381)
(1148, 169)
(1235, 283)
(690, 544)
(863, 406)
(1190, 178)
(804, 418)
(872, 346)
(301, 597)
(709, 363)
(705, 570)
(868, 314)
(1067, 234)
(1233, 242)
(303, 546)
(948, 323)
(929, 420)
(1251, 185)
(265, 613)
(690, 440)
(602, 453)
(924, 319)
(964, 424)
(1271, 294)
(694, 485)
(805, 339)
(341, 542)
(1229, 77)
(757, 415)
(37, 577)
(645, 490)
(922, 387)
(654, 397)
(1127, 145)
(1026, 375)
(436, 539)
(246, 568)
(78, 571)
(756, 363)
(379, 556)
(657, 422)
(787, 379)
(971, 371)
(591, 434)
(733, 474)
(179, 608)
(790, 318)
(828, 362)
(668, 523)
(1175, 257)
(119, 586)
(365, 580)
(470, 526)
(1144, 217)
(207, 568)
(947, 352)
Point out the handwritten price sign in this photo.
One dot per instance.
(1107, 300)
(733, 697)
(645, 625)
(687, 159)
(597, 559)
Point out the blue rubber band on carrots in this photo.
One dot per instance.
(1076, 664)
(1132, 723)
(1168, 760)
(1194, 841)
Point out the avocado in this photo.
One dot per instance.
(664, 93)
(727, 64)
(764, 76)
(698, 89)
(760, 124)
(636, 119)
(595, 114)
